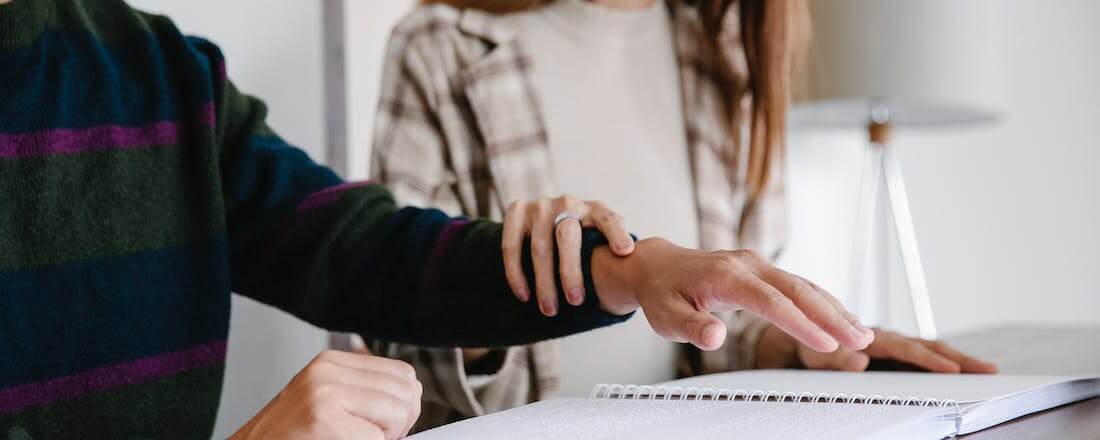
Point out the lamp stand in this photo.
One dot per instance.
(888, 166)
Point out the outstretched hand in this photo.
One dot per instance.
(777, 350)
(678, 288)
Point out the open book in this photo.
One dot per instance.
(783, 404)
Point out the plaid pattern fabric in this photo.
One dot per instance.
(460, 128)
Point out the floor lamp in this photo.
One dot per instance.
(886, 66)
(880, 117)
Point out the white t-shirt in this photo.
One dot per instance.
(608, 84)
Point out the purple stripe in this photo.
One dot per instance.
(70, 141)
(328, 195)
(430, 275)
(107, 378)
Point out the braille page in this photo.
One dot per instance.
(616, 419)
(962, 388)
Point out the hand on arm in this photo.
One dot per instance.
(342, 395)
(537, 219)
(777, 350)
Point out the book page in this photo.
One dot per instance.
(962, 388)
(614, 419)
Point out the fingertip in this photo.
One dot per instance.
(548, 308)
(823, 343)
(712, 336)
(623, 248)
(575, 296)
(522, 294)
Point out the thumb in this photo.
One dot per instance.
(679, 321)
(706, 331)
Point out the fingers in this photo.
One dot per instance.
(569, 260)
(769, 303)
(613, 227)
(816, 306)
(542, 257)
(538, 219)
(912, 351)
(383, 392)
(511, 246)
(363, 362)
(840, 360)
(967, 363)
(395, 415)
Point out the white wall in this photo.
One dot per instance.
(273, 50)
(1005, 215)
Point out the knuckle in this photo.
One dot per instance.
(772, 304)
(406, 370)
(541, 248)
(325, 356)
(318, 393)
(571, 277)
(569, 234)
(746, 255)
(724, 263)
(567, 200)
(515, 205)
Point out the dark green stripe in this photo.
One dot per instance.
(108, 20)
(182, 406)
(61, 209)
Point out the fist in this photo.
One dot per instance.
(342, 395)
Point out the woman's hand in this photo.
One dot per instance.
(537, 219)
(678, 288)
(342, 395)
(777, 350)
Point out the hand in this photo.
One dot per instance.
(342, 395)
(537, 219)
(678, 288)
(934, 356)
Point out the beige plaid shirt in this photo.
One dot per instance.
(459, 128)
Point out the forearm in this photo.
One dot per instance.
(359, 264)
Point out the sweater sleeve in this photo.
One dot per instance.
(345, 257)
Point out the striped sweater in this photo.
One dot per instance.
(138, 188)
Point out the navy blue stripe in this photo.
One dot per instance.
(264, 182)
(73, 318)
(69, 79)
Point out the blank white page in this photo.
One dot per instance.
(615, 419)
(962, 388)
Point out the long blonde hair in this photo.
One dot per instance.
(774, 34)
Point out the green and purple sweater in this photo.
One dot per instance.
(138, 188)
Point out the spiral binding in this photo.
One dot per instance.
(650, 392)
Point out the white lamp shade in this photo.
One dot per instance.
(926, 52)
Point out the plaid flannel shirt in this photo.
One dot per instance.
(459, 128)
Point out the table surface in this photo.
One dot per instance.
(1035, 350)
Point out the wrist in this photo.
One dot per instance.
(776, 349)
(619, 281)
(611, 282)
